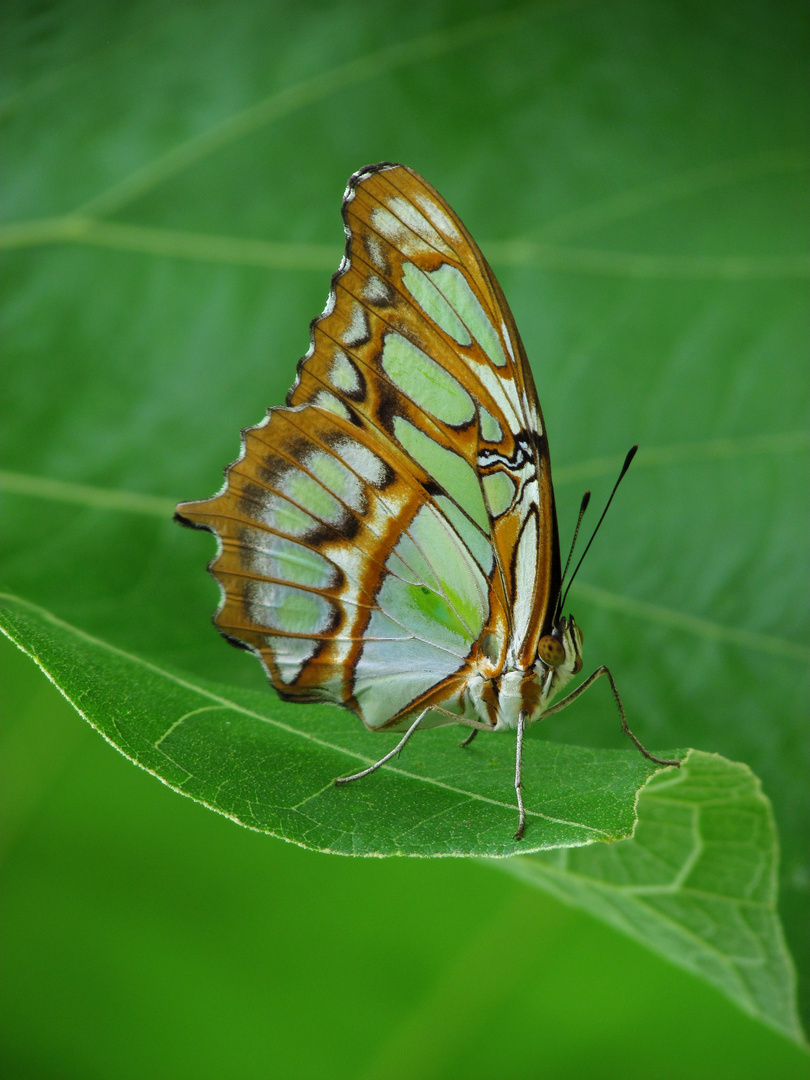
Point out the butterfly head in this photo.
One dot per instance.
(502, 700)
(560, 654)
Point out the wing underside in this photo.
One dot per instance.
(392, 529)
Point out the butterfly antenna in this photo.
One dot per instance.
(586, 498)
(630, 455)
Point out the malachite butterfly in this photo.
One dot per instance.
(388, 540)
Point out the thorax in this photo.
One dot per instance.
(497, 697)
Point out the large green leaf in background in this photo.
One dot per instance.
(634, 173)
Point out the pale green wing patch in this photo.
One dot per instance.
(456, 476)
(433, 303)
(425, 382)
(490, 428)
(343, 373)
(304, 490)
(335, 476)
(424, 630)
(270, 556)
(279, 513)
(474, 539)
(499, 490)
(458, 293)
(453, 593)
(425, 614)
(288, 608)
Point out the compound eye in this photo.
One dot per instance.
(550, 650)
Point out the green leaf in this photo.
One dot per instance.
(697, 883)
(271, 766)
(689, 867)
(636, 173)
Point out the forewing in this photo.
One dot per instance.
(421, 335)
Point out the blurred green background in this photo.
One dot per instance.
(636, 174)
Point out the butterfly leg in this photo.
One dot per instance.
(625, 726)
(521, 727)
(392, 753)
(476, 725)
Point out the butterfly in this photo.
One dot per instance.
(388, 539)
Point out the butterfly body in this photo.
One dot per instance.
(388, 539)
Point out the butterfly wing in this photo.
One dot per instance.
(392, 529)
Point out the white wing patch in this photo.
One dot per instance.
(525, 571)
(408, 213)
(376, 291)
(357, 332)
(364, 462)
(395, 668)
(290, 654)
(324, 400)
(398, 233)
(343, 374)
(438, 217)
(375, 252)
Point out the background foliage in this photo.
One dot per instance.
(635, 173)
